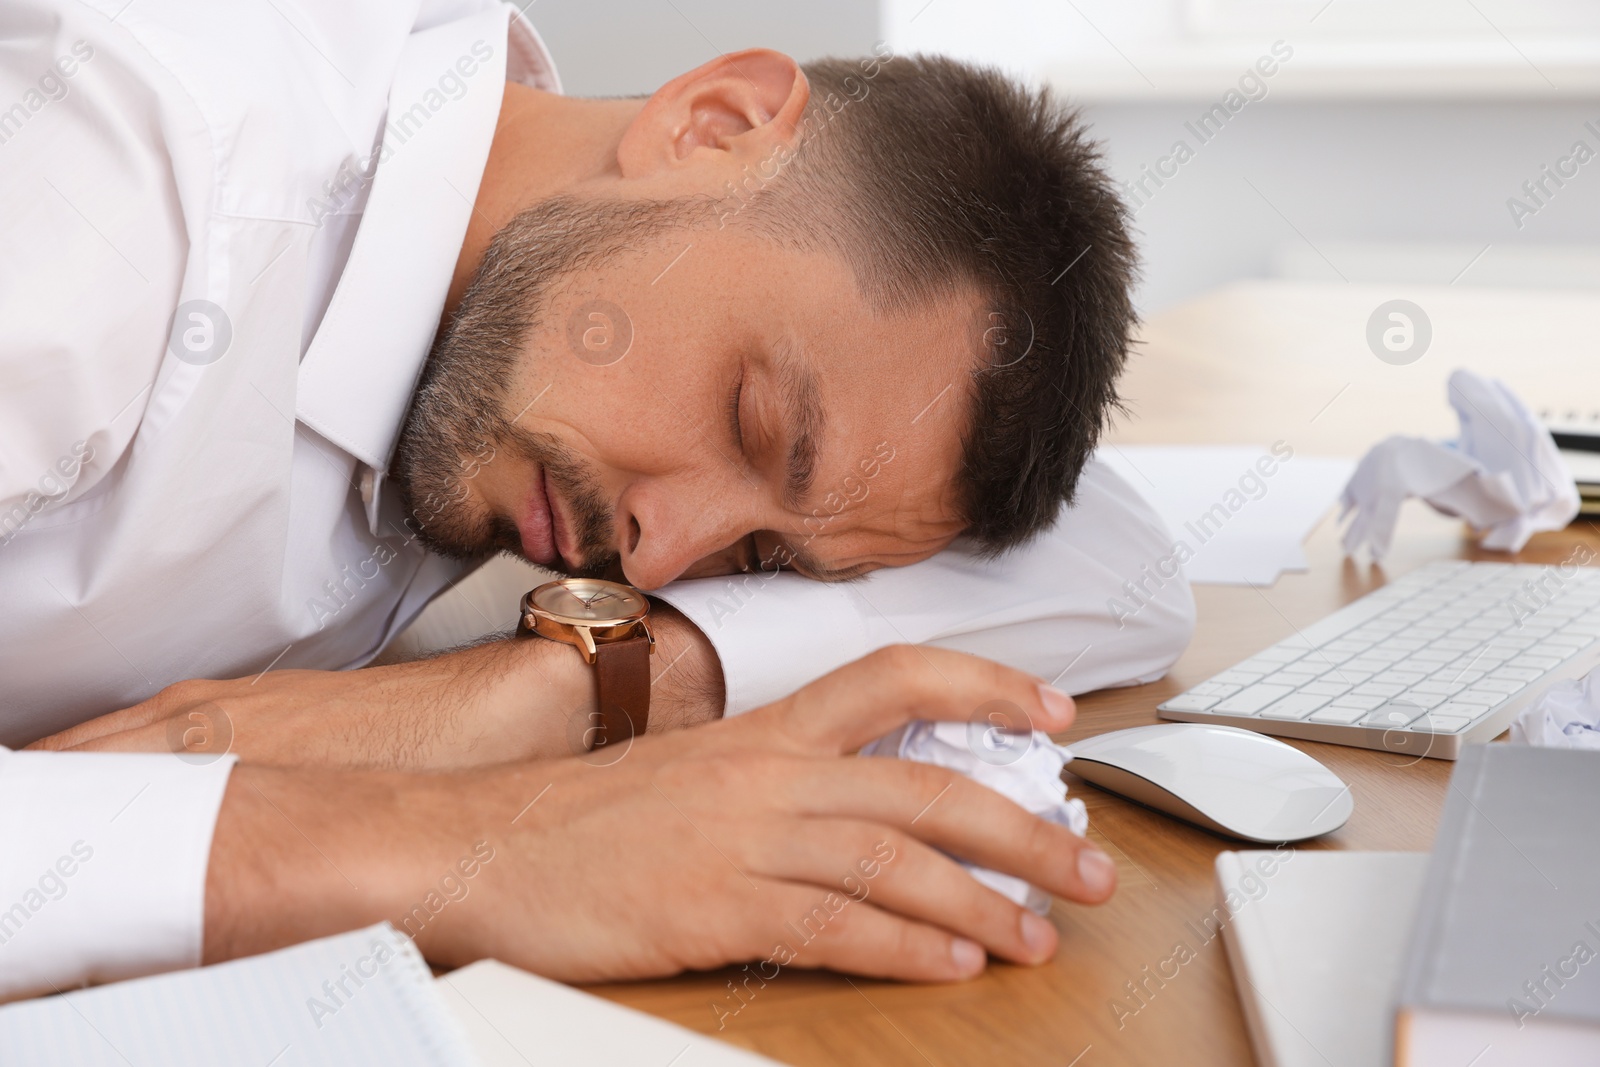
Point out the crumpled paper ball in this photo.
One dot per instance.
(1024, 767)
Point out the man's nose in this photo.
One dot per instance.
(661, 542)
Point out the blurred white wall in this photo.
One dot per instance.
(1394, 135)
(1390, 139)
(626, 47)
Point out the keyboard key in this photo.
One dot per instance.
(1278, 654)
(1291, 678)
(1361, 703)
(1457, 709)
(1238, 676)
(1252, 699)
(1400, 677)
(1379, 689)
(1493, 684)
(1346, 677)
(1294, 706)
(1431, 655)
(1437, 687)
(1339, 715)
(1519, 674)
(1325, 687)
(1454, 644)
(1214, 689)
(1569, 640)
(1421, 700)
(1392, 715)
(1538, 663)
(1441, 724)
(1485, 697)
(1189, 702)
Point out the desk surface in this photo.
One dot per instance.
(1069, 1008)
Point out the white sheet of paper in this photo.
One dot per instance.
(514, 1018)
(1240, 524)
(1503, 474)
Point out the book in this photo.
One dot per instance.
(1315, 942)
(1503, 963)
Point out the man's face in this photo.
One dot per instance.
(703, 402)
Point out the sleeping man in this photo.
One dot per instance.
(302, 322)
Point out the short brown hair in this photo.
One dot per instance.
(928, 174)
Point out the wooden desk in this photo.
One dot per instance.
(1065, 1012)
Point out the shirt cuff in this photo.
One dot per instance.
(103, 861)
(758, 623)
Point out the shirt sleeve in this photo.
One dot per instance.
(103, 860)
(1095, 601)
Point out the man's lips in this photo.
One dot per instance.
(537, 526)
(546, 535)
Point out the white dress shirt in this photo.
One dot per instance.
(204, 365)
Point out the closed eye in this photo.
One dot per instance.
(735, 396)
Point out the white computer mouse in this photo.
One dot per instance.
(1233, 781)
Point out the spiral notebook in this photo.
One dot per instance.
(1577, 435)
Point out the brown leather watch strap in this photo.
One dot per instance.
(622, 669)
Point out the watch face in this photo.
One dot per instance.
(589, 601)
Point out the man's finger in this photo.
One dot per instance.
(862, 701)
(865, 861)
(857, 937)
(956, 815)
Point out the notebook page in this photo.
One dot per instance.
(356, 998)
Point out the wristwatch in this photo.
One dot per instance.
(609, 624)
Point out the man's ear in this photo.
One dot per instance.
(744, 103)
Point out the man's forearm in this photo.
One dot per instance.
(299, 854)
(504, 699)
(648, 865)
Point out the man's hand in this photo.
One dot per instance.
(508, 699)
(756, 838)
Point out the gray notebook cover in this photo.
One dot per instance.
(1510, 907)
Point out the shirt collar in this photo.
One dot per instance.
(356, 379)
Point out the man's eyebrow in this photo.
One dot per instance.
(802, 407)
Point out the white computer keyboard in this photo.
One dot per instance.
(1445, 655)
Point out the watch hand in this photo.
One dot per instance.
(575, 596)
